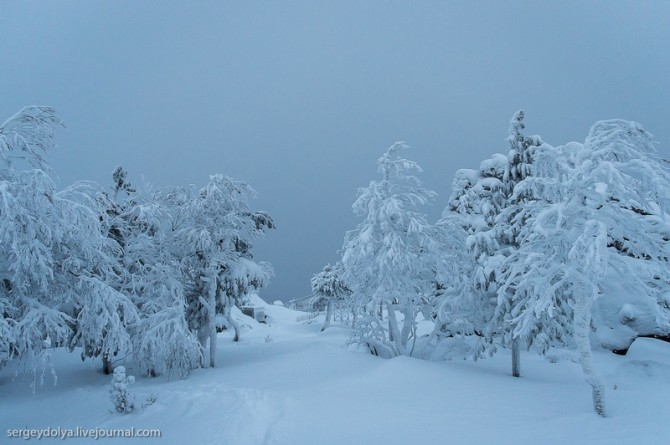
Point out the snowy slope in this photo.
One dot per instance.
(286, 383)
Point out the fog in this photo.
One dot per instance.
(300, 98)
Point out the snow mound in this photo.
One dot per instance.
(274, 313)
(624, 313)
(647, 361)
(649, 350)
(245, 322)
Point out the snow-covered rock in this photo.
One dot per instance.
(649, 350)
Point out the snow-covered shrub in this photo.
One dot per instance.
(121, 397)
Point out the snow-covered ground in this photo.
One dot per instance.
(287, 383)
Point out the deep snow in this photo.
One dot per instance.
(287, 383)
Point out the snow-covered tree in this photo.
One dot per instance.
(32, 296)
(55, 261)
(162, 342)
(26, 137)
(484, 201)
(506, 227)
(599, 216)
(590, 258)
(452, 284)
(329, 287)
(389, 258)
(121, 274)
(237, 280)
(30, 300)
(214, 231)
(105, 315)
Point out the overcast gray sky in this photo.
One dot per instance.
(300, 98)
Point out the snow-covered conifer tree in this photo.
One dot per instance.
(453, 272)
(328, 286)
(214, 230)
(237, 280)
(600, 215)
(388, 259)
(55, 262)
(29, 232)
(105, 316)
(162, 341)
(485, 203)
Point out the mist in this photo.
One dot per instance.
(300, 98)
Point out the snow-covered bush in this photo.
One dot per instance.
(122, 399)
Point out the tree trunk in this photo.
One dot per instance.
(211, 312)
(516, 357)
(329, 314)
(408, 325)
(227, 313)
(212, 331)
(107, 367)
(582, 326)
(394, 333)
(233, 323)
(203, 336)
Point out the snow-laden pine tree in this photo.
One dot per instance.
(485, 202)
(237, 280)
(329, 289)
(505, 229)
(32, 321)
(150, 273)
(106, 314)
(103, 316)
(389, 258)
(453, 274)
(56, 263)
(214, 230)
(32, 292)
(595, 224)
